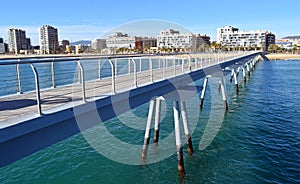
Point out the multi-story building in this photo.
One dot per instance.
(120, 40)
(17, 40)
(199, 40)
(2, 46)
(98, 44)
(231, 37)
(145, 43)
(173, 39)
(48, 39)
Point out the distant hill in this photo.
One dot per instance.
(81, 42)
(291, 37)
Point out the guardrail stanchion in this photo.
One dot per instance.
(37, 89)
(52, 74)
(134, 72)
(99, 68)
(174, 62)
(18, 78)
(113, 85)
(151, 69)
(82, 80)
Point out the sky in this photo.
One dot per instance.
(90, 19)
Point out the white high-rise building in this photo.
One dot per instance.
(48, 39)
(232, 37)
(98, 44)
(120, 40)
(173, 39)
(17, 40)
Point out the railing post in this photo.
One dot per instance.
(151, 69)
(99, 69)
(18, 78)
(164, 67)
(82, 80)
(182, 65)
(116, 67)
(140, 64)
(78, 74)
(202, 60)
(174, 62)
(113, 85)
(52, 74)
(190, 66)
(134, 72)
(37, 89)
(129, 67)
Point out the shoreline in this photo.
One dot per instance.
(4, 57)
(282, 56)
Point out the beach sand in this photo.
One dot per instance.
(282, 56)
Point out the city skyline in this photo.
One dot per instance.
(92, 19)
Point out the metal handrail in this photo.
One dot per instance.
(134, 72)
(82, 80)
(113, 69)
(37, 88)
(113, 80)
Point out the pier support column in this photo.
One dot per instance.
(248, 69)
(180, 164)
(244, 74)
(186, 128)
(219, 88)
(157, 120)
(224, 94)
(238, 71)
(236, 82)
(203, 92)
(231, 76)
(148, 128)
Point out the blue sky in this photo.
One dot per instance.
(89, 19)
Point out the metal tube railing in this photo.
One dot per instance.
(52, 75)
(151, 69)
(184, 63)
(134, 71)
(18, 78)
(99, 68)
(37, 89)
(82, 80)
(113, 85)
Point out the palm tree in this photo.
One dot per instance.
(294, 49)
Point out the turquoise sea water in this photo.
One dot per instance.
(258, 142)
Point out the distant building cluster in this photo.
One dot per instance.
(232, 37)
(167, 40)
(288, 43)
